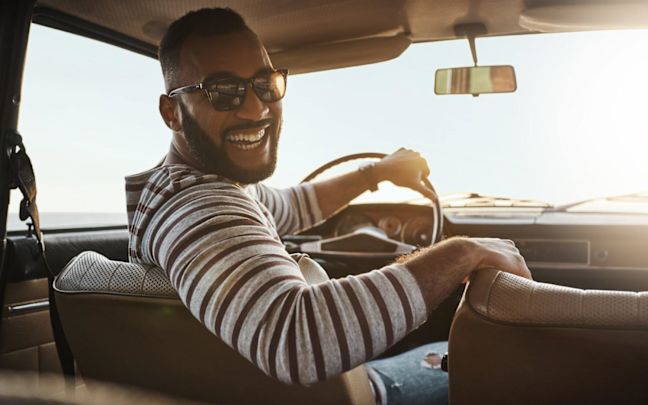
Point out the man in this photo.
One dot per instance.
(204, 218)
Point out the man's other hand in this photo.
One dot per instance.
(439, 269)
(500, 254)
(405, 168)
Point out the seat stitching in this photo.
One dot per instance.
(110, 285)
(490, 293)
(529, 315)
(85, 274)
(146, 274)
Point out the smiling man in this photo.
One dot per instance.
(204, 217)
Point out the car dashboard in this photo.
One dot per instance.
(578, 249)
(406, 223)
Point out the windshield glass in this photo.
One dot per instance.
(575, 128)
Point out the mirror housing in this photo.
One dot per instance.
(475, 80)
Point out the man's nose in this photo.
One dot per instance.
(253, 108)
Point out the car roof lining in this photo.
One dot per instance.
(300, 35)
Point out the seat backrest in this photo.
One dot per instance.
(125, 324)
(516, 341)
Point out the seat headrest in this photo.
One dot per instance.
(507, 298)
(90, 272)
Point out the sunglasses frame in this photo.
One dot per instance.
(202, 86)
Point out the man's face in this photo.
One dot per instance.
(225, 142)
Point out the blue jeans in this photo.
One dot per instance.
(414, 377)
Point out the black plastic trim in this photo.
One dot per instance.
(14, 31)
(56, 231)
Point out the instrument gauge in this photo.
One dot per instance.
(418, 231)
(391, 225)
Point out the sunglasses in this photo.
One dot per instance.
(226, 92)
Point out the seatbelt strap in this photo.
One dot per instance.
(21, 175)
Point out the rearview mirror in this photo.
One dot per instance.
(475, 80)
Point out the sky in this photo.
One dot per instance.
(575, 128)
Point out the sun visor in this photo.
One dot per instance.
(585, 17)
(340, 54)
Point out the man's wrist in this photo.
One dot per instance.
(460, 253)
(471, 251)
(379, 172)
(369, 174)
(439, 269)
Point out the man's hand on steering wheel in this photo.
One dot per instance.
(405, 168)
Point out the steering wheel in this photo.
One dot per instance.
(437, 227)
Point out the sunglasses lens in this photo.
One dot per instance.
(270, 87)
(227, 94)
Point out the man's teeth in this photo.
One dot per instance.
(246, 138)
(246, 141)
(247, 146)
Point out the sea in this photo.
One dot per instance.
(69, 220)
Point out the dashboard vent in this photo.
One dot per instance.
(540, 251)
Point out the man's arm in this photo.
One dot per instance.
(240, 283)
(238, 280)
(305, 205)
(293, 209)
(439, 269)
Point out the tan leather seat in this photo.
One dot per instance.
(125, 324)
(516, 341)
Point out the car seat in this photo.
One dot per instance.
(517, 341)
(125, 324)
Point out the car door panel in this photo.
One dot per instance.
(26, 338)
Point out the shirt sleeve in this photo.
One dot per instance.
(238, 281)
(293, 208)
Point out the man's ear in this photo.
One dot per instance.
(169, 113)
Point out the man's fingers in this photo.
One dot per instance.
(426, 168)
(517, 265)
(422, 188)
(523, 271)
(405, 167)
(502, 254)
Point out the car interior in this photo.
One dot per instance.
(577, 333)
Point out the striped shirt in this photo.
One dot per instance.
(220, 245)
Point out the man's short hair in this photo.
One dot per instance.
(204, 22)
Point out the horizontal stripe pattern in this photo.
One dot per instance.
(219, 244)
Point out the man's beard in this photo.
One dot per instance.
(214, 159)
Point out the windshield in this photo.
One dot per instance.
(575, 129)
